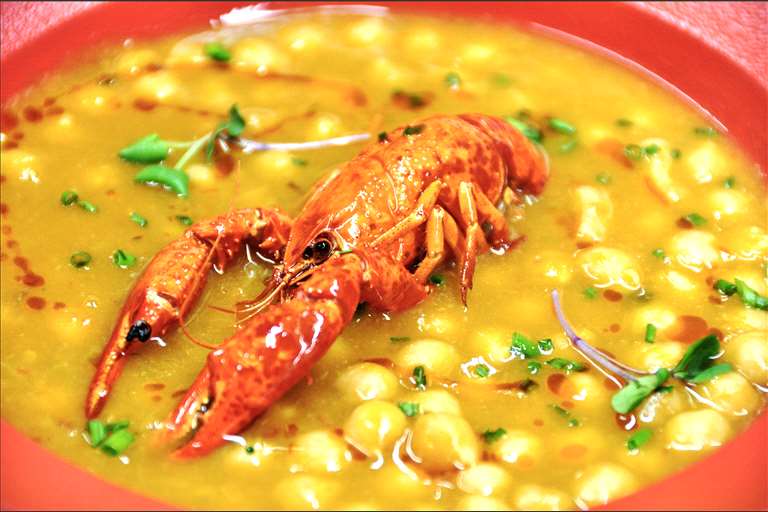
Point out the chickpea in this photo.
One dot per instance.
(374, 426)
(601, 483)
(275, 165)
(259, 55)
(519, 448)
(680, 282)
(705, 162)
(484, 479)
(492, 343)
(749, 353)
(437, 357)
(324, 126)
(437, 325)
(409, 486)
(435, 400)
(321, 450)
(367, 381)
(306, 492)
(595, 211)
(201, 175)
(659, 317)
(746, 242)
(589, 391)
(660, 406)
(728, 202)
(367, 32)
(609, 267)
(662, 354)
(187, 52)
(133, 61)
(697, 430)
(534, 497)
(160, 85)
(444, 441)
(480, 503)
(302, 38)
(732, 393)
(260, 119)
(422, 39)
(554, 265)
(658, 170)
(694, 249)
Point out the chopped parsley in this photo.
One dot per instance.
(522, 347)
(560, 363)
(185, 220)
(123, 259)
(138, 219)
(603, 178)
(623, 122)
(572, 422)
(299, 162)
(545, 346)
(533, 367)
(482, 370)
(419, 378)
(112, 438)
(526, 129)
(659, 253)
(590, 292)
(651, 149)
(730, 182)
(633, 151)
(568, 146)
(724, 287)
(491, 436)
(68, 197)
(217, 51)
(675, 153)
(409, 408)
(87, 206)
(452, 80)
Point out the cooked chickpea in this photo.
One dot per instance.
(435, 400)
(374, 426)
(133, 61)
(274, 165)
(745, 242)
(728, 202)
(609, 267)
(368, 31)
(588, 390)
(324, 126)
(732, 393)
(444, 441)
(660, 406)
(749, 353)
(705, 162)
(187, 52)
(694, 249)
(422, 39)
(658, 170)
(595, 210)
(259, 55)
(409, 486)
(662, 354)
(484, 479)
(518, 447)
(20, 163)
(660, 317)
(554, 265)
(201, 175)
(437, 325)
(260, 119)
(367, 381)
(601, 483)
(697, 430)
(304, 37)
(321, 450)
(490, 342)
(160, 85)
(680, 282)
(480, 503)
(534, 497)
(306, 492)
(437, 357)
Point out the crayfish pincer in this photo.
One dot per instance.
(420, 195)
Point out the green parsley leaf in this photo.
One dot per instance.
(419, 378)
(80, 259)
(695, 219)
(750, 297)
(138, 219)
(659, 253)
(482, 371)
(491, 436)
(123, 259)
(711, 373)
(545, 346)
(383, 137)
(533, 367)
(174, 179)
(68, 197)
(650, 333)
(217, 51)
(698, 357)
(524, 128)
(452, 80)
(409, 408)
(148, 150)
(639, 438)
(561, 126)
(590, 292)
(675, 153)
(633, 151)
(234, 126)
(603, 178)
(730, 182)
(560, 363)
(631, 395)
(522, 347)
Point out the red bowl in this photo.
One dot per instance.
(715, 54)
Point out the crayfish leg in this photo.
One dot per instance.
(171, 282)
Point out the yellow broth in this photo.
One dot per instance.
(611, 282)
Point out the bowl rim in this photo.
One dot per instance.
(26, 465)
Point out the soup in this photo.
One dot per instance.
(652, 228)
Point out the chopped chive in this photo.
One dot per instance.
(87, 206)
(399, 339)
(522, 347)
(659, 253)
(624, 123)
(545, 346)
(560, 363)
(413, 130)
(419, 378)
(491, 436)
(185, 220)
(603, 178)
(750, 297)
(639, 438)
(695, 219)
(452, 80)
(437, 279)
(123, 259)
(651, 149)
(80, 259)
(174, 179)
(705, 131)
(138, 219)
(217, 51)
(568, 146)
(346, 251)
(524, 128)
(383, 137)
(725, 287)
(730, 182)
(117, 443)
(590, 292)
(97, 432)
(68, 197)
(409, 408)
(650, 333)
(561, 126)
(633, 151)
(249, 449)
(299, 162)
(533, 367)
(117, 425)
(572, 422)
(501, 80)
(147, 150)
(482, 371)
(675, 153)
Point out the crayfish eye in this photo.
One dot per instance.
(308, 253)
(322, 249)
